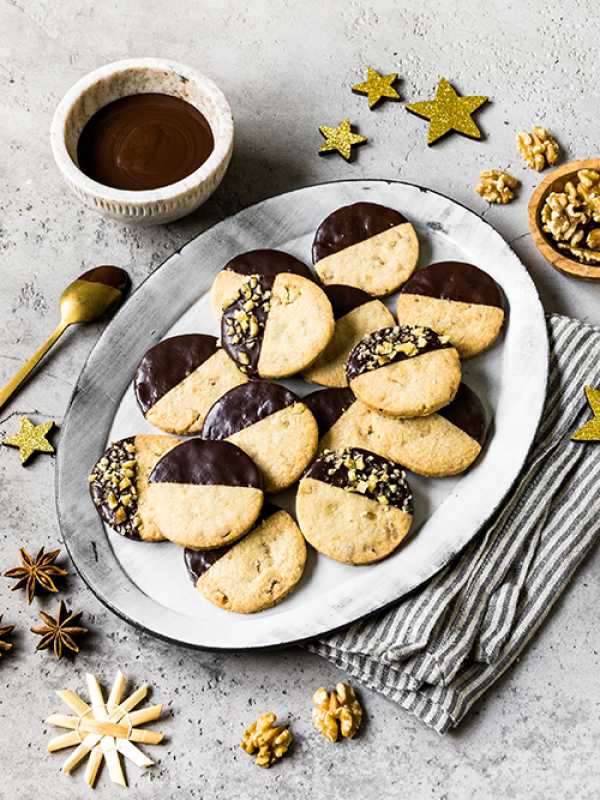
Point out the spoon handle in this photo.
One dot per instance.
(7, 391)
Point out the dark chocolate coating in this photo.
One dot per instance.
(345, 299)
(248, 347)
(352, 224)
(115, 277)
(197, 562)
(245, 405)
(322, 469)
(455, 280)
(207, 464)
(268, 264)
(328, 405)
(144, 141)
(364, 359)
(100, 487)
(167, 364)
(467, 413)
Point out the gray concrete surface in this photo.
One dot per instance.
(286, 68)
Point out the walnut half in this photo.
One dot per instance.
(538, 148)
(336, 712)
(496, 186)
(272, 741)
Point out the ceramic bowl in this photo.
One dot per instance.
(555, 182)
(137, 76)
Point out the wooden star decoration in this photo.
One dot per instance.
(105, 729)
(590, 432)
(340, 139)
(31, 438)
(448, 111)
(377, 87)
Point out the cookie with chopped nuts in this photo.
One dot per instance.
(354, 506)
(356, 313)
(277, 327)
(404, 371)
(269, 423)
(204, 494)
(119, 481)
(265, 263)
(457, 300)
(366, 245)
(179, 379)
(255, 573)
(438, 445)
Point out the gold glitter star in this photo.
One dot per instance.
(31, 438)
(377, 86)
(590, 432)
(340, 139)
(449, 112)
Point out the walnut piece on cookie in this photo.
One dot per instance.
(356, 313)
(271, 741)
(118, 484)
(337, 712)
(354, 506)
(404, 370)
(366, 245)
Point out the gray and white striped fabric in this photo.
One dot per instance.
(444, 645)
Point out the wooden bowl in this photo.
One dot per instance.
(554, 182)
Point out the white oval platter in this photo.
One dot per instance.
(146, 584)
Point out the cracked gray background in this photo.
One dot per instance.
(286, 68)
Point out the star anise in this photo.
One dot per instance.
(36, 571)
(58, 633)
(5, 630)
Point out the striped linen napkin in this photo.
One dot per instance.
(441, 647)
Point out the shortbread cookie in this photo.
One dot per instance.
(119, 483)
(269, 423)
(179, 379)
(457, 300)
(266, 263)
(256, 572)
(441, 444)
(366, 245)
(204, 494)
(354, 506)
(356, 313)
(276, 328)
(404, 371)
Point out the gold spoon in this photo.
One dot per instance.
(84, 300)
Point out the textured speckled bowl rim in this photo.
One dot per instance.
(72, 173)
(76, 514)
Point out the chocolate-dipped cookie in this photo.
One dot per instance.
(354, 506)
(179, 379)
(266, 263)
(457, 300)
(366, 245)
(356, 313)
(276, 327)
(256, 572)
(119, 482)
(440, 444)
(404, 371)
(205, 494)
(269, 423)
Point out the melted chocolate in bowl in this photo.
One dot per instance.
(143, 142)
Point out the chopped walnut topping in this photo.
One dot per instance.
(337, 712)
(496, 186)
(113, 485)
(271, 741)
(538, 148)
(365, 473)
(387, 345)
(244, 320)
(569, 217)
